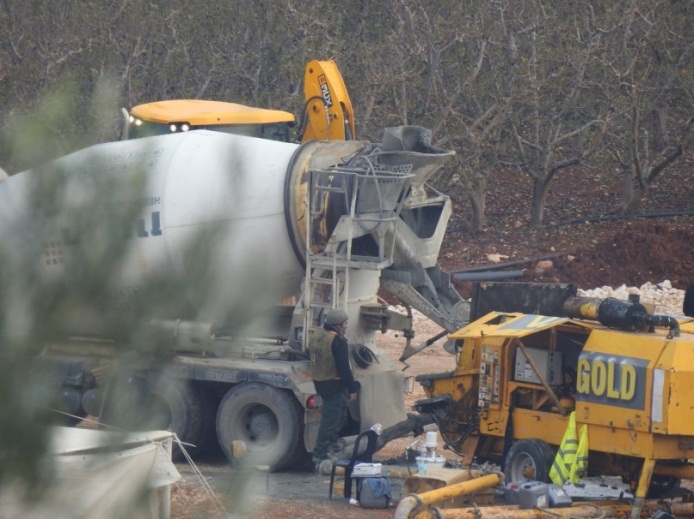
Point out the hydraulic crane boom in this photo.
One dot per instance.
(328, 113)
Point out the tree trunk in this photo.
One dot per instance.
(632, 203)
(478, 199)
(660, 127)
(537, 211)
(632, 191)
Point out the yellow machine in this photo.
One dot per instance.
(328, 113)
(624, 373)
(182, 115)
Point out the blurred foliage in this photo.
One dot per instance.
(78, 216)
(28, 313)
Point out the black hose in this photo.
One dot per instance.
(664, 320)
(602, 218)
(363, 356)
(506, 264)
(614, 216)
(487, 275)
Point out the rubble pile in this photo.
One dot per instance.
(668, 300)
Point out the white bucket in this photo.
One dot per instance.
(430, 439)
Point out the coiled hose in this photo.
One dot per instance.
(363, 356)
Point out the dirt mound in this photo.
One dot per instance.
(652, 246)
(640, 252)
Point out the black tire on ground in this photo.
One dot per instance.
(528, 460)
(267, 419)
(178, 407)
(166, 404)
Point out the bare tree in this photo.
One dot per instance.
(527, 84)
(646, 52)
(548, 85)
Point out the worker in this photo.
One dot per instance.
(333, 379)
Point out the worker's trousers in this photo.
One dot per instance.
(334, 416)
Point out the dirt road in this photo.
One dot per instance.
(255, 495)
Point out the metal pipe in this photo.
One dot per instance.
(507, 264)
(409, 350)
(488, 275)
(165, 512)
(618, 314)
(664, 320)
(586, 510)
(409, 505)
(685, 471)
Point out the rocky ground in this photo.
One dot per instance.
(587, 244)
(588, 252)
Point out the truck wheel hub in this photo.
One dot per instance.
(260, 426)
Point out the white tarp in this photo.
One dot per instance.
(99, 474)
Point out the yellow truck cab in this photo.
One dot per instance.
(181, 115)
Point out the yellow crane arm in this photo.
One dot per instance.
(328, 113)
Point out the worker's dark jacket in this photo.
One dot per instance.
(330, 365)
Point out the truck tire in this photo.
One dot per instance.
(267, 419)
(528, 460)
(167, 404)
(179, 408)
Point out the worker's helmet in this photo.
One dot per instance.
(336, 316)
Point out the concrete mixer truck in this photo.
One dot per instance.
(145, 274)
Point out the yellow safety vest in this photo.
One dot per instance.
(560, 472)
(579, 469)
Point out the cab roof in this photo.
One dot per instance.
(200, 112)
(500, 324)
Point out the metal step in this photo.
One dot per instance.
(355, 261)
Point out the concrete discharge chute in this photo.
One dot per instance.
(154, 266)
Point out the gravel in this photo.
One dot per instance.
(668, 300)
